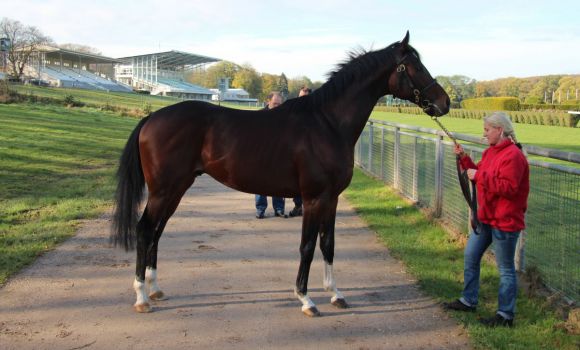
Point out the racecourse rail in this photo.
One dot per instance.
(420, 164)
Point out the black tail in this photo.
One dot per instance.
(130, 184)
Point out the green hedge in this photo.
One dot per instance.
(492, 103)
(537, 117)
(569, 106)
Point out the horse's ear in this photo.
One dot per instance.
(405, 41)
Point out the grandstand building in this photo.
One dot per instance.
(163, 73)
(53, 66)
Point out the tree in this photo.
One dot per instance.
(295, 84)
(458, 87)
(568, 87)
(25, 40)
(248, 79)
(269, 84)
(208, 77)
(283, 85)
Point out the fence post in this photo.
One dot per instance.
(397, 156)
(382, 153)
(415, 171)
(438, 176)
(371, 128)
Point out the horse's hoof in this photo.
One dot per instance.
(143, 308)
(311, 312)
(340, 303)
(158, 296)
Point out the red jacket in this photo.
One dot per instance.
(503, 184)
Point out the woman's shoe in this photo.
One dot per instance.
(497, 321)
(457, 305)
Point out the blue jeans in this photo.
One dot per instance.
(297, 201)
(262, 203)
(505, 249)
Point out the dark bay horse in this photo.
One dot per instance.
(304, 147)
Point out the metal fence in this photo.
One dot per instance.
(421, 166)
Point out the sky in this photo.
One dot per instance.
(482, 40)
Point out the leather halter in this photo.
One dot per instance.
(420, 100)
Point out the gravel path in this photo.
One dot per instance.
(230, 281)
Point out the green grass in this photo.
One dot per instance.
(436, 260)
(57, 169)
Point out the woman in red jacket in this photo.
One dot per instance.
(502, 181)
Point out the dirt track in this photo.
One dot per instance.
(230, 279)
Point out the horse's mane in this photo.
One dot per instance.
(359, 64)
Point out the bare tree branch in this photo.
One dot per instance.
(24, 40)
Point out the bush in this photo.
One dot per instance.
(492, 103)
(70, 101)
(542, 107)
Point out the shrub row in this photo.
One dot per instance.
(565, 107)
(492, 103)
(539, 117)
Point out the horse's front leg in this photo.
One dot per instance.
(327, 248)
(310, 225)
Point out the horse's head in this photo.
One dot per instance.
(411, 81)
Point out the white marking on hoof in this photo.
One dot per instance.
(155, 292)
(330, 286)
(308, 306)
(142, 303)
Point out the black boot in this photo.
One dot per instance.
(297, 211)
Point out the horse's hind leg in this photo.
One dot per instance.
(155, 293)
(145, 233)
(157, 212)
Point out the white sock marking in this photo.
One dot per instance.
(329, 283)
(151, 278)
(307, 303)
(142, 297)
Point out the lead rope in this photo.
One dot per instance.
(447, 132)
(470, 198)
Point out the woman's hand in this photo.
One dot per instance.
(471, 173)
(459, 150)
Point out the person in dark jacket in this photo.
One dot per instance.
(273, 100)
(297, 210)
(502, 182)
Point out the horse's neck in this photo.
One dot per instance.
(354, 107)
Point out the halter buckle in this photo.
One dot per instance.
(401, 68)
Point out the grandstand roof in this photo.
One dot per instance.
(74, 55)
(174, 58)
